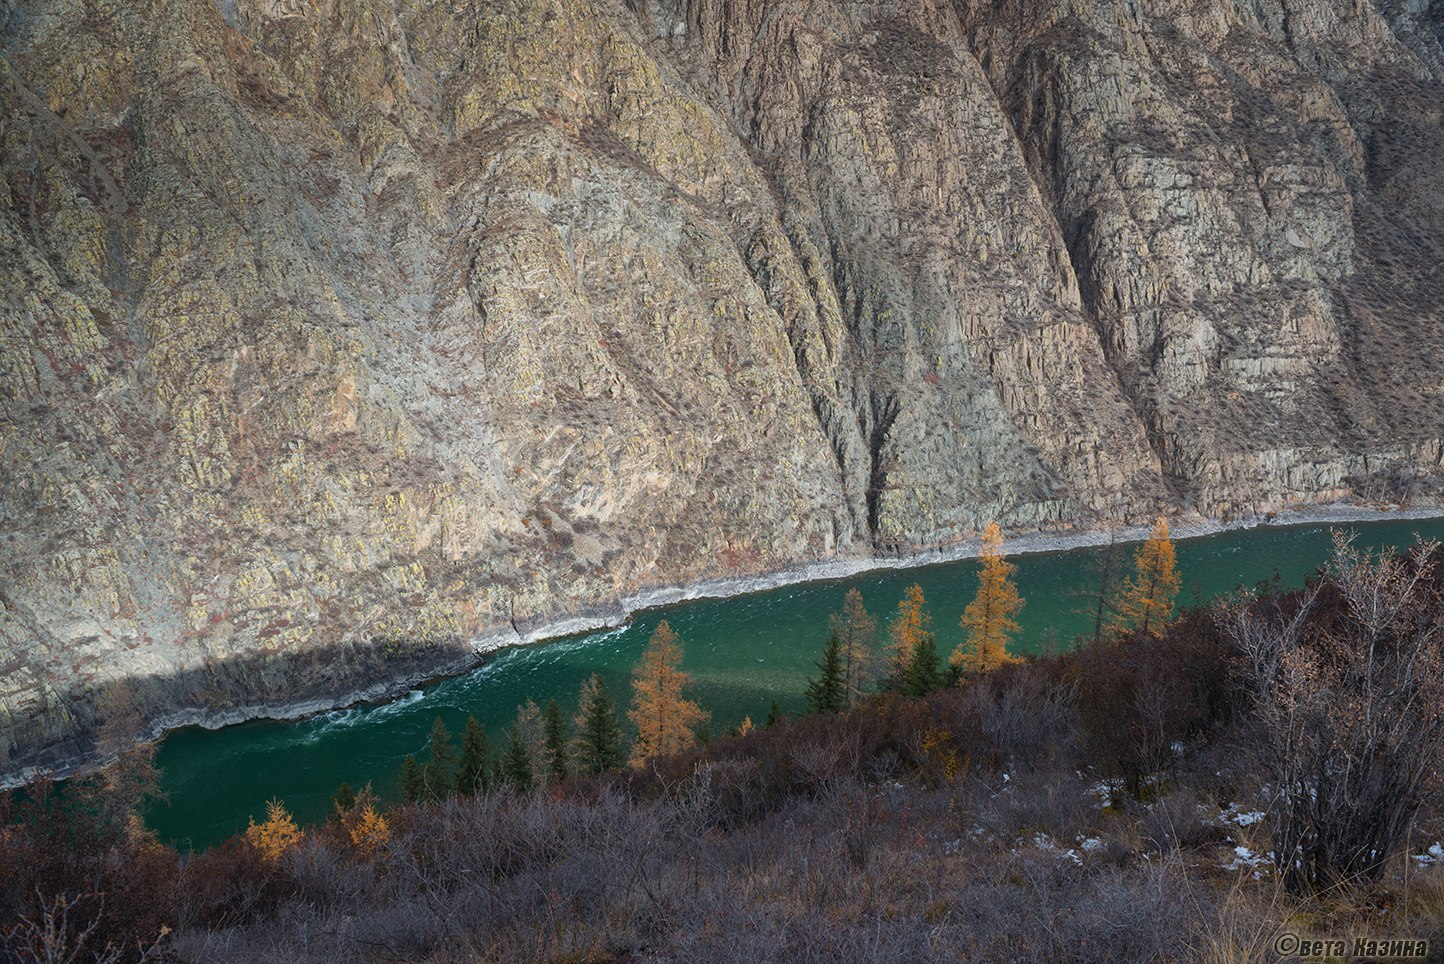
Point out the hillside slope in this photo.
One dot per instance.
(340, 332)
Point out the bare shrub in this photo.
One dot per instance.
(65, 930)
(1142, 699)
(1055, 803)
(1349, 685)
(1022, 718)
(1174, 822)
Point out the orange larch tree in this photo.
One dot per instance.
(370, 832)
(989, 621)
(911, 627)
(665, 720)
(1148, 597)
(277, 835)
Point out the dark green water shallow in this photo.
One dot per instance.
(743, 653)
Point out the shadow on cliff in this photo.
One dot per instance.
(76, 728)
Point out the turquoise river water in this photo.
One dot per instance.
(743, 652)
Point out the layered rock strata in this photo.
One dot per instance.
(339, 333)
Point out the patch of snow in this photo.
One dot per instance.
(1240, 817)
(1435, 852)
(1044, 842)
(1246, 859)
(1102, 793)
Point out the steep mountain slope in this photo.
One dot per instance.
(337, 333)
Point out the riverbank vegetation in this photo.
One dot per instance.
(1184, 788)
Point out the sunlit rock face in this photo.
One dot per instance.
(337, 333)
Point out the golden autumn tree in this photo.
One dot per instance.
(369, 831)
(913, 650)
(277, 835)
(907, 629)
(1146, 603)
(989, 621)
(663, 716)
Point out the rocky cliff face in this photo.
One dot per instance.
(338, 332)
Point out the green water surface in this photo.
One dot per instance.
(743, 652)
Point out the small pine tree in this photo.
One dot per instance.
(1148, 597)
(923, 673)
(344, 798)
(774, 713)
(990, 619)
(828, 692)
(472, 775)
(440, 773)
(598, 740)
(554, 740)
(413, 781)
(666, 721)
(516, 762)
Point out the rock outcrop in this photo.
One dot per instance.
(338, 333)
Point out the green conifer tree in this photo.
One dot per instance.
(413, 781)
(922, 673)
(774, 713)
(598, 741)
(554, 741)
(828, 692)
(472, 774)
(516, 762)
(440, 769)
(344, 798)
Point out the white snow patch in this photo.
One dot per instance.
(1044, 842)
(1246, 859)
(1240, 817)
(1435, 852)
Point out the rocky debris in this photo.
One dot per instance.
(367, 324)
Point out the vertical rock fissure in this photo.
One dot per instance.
(883, 411)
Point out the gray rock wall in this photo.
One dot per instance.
(337, 333)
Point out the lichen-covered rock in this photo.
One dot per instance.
(338, 333)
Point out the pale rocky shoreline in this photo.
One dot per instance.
(1021, 544)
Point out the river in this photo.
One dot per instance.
(743, 652)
